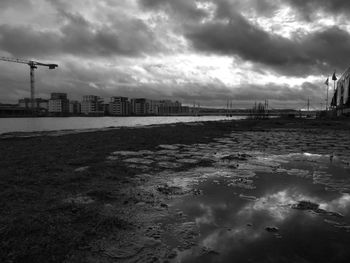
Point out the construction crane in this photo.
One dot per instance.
(33, 65)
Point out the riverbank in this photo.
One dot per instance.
(104, 196)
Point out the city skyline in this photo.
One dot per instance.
(203, 51)
(59, 104)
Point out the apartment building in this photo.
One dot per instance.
(74, 107)
(92, 105)
(138, 106)
(168, 107)
(58, 103)
(119, 106)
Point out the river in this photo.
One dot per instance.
(10, 125)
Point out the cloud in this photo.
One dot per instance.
(77, 36)
(14, 4)
(309, 54)
(308, 8)
(179, 8)
(25, 41)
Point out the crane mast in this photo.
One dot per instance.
(32, 65)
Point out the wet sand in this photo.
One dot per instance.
(244, 191)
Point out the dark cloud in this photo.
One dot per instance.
(303, 55)
(309, 7)
(239, 37)
(77, 36)
(15, 4)
(230, 33)
(227, 8)
(182, 8)
(24, 41)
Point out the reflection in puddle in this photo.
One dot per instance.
(259, 223)
(249, 205)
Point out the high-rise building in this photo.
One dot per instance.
(138, 106)
(59, 103)
(74, 107)
(92, 105)
(119, 106)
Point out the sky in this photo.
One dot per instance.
(196, 51)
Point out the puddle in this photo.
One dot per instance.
(268, 207)
(263, 197)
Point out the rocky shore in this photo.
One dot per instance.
(106, 196)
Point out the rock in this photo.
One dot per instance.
(172, 254)
(305, 205)
(197, 192)
(272, 229)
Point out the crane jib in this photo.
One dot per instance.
(33, 65)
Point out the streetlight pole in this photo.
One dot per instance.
(327, 84)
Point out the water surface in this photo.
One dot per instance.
(80, 123)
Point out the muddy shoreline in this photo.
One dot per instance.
(74, 198)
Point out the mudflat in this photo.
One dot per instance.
(195, 192)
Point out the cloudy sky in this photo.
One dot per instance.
(207, 51)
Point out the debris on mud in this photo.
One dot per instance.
(170, 190)
(248, 197)
(272, 229)
(236, 157)
(307, 205)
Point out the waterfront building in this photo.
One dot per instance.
(39, 103)
(92, 105)
(152, 107)
(13, 110)
(138, 106)
(58, 103)
(168, 107)
(341, 97)
(119, 106)
(74, 107)
(105, 108)
(185, 110)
